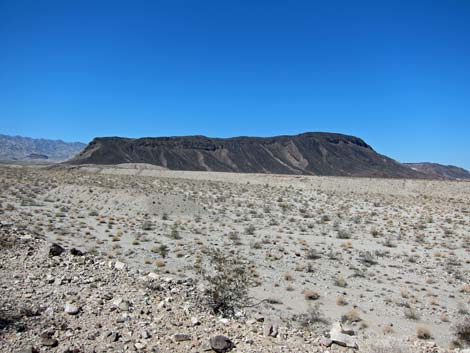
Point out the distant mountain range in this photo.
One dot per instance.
(440, 171)
(313, 153)
(26, 148)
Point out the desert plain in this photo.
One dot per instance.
(387, 258)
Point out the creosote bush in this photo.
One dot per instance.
(227, 279)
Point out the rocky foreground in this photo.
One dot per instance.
(62, 300)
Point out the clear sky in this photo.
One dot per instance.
(395, 73)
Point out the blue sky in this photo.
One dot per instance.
(395, 73)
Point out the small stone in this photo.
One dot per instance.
(71, 309)
(153, 275)
(76, 252)
(114, 336)
(270, 330)
(326, 342)
(221, 344)
(49, 342)
(179, 337)
(145, 334)
(56, 250)
(339, 337)
(118, 265)
(206, 347)
(139, 345)
(124, 305)
(71, 350)
(49, 311)
(195, 321)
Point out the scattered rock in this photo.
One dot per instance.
(326, 342)
(49, 342)
(221, 344)
(224, 321)
(56, 250)
(153, 276)
(76, 252)
(114, 336)
(139, 346)
(71, 309)
(118, 265)
(180, 337)
(341, 337)
(195, 321)
(145, 334)
(270, 330)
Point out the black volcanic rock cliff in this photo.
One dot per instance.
(308, 153)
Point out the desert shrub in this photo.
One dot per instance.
(333, 255)
(174, 234)
(325, 219)
(233, 236)
(367, 258)
(341, 300)
(423, 332)
(313, 317)
(389, 243)
(250, 230)
(312, 254)
(351, 316)
(163, 250)
(311, 294)
(375, 232)
(343, 234)
(462, 331)
(391, 345)
(340, 281)
(466, 242)
(227, 281)
(147, 225)
(411, 314)
(6, 242)
(288, 277)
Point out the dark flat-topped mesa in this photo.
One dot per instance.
(313, 153)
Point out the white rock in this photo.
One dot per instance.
(153, 275)
(71, 309)
(118, 265)
(224, 321)
(139, 346)
(195, 321)
(338, 336)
